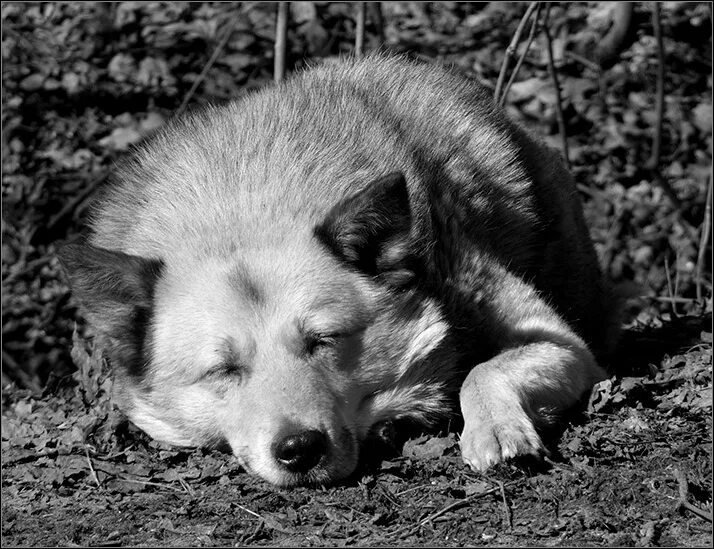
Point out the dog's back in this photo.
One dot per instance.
(285, 157)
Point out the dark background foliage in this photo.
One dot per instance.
(83, 82)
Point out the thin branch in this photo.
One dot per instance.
(674, 299)
(511, 50)
(670, 290)
(556, 85)
(256, 515)
(149, 483)
(375, 15)
(705, 233)
(214, 56)
(91, 468)
(654, 161)
(583, 61)
(514, 74)
(359, 31)
(682, 502)
(509, 514)
(412, 489)
(676, 272)
(185, 485)
(77, 201)
(281, 32)
(405, 531)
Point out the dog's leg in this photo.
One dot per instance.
(542, 368)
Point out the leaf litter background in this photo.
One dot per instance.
(83, 82)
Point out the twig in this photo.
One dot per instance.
(185, 485)
(506, 507)
(676, 272)
(556, 85)
(583, 61)
(214, 56)
(673, 299)
(359, 31)
(389, 496)
(375, 15)
(281, 32)
(148, 483)
(110, 457)
(408, 530)
(682, 502)
(254, 535)
(76, 201)
(531, 35)
(511, 50)
(256, 515)
(654, 160)
(670, 290)
(705, 233)
(412, 489)
(593, 193)
(91, 468)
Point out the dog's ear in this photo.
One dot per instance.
(370, 229)
(116, 292)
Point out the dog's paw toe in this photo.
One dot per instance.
(486, 443)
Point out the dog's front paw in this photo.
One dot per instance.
(493, 436)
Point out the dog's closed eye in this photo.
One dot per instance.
(226, 369)
(315, 342)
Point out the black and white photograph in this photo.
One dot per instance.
(371, 274)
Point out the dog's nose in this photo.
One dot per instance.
(302, 451)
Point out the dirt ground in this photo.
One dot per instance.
(636, 470)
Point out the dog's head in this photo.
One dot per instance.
(290, 353)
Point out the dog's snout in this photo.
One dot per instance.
(302, 451)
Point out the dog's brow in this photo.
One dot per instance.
(241, 281)
(239, 353)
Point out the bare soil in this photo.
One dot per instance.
(636, 470)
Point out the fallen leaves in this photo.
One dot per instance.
(432, 447)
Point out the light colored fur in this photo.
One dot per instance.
(510, 291)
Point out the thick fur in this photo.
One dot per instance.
(360, 243)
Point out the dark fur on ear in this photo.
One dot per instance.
(116, 292)
(370, 229)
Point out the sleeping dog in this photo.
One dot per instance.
(367, 241)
